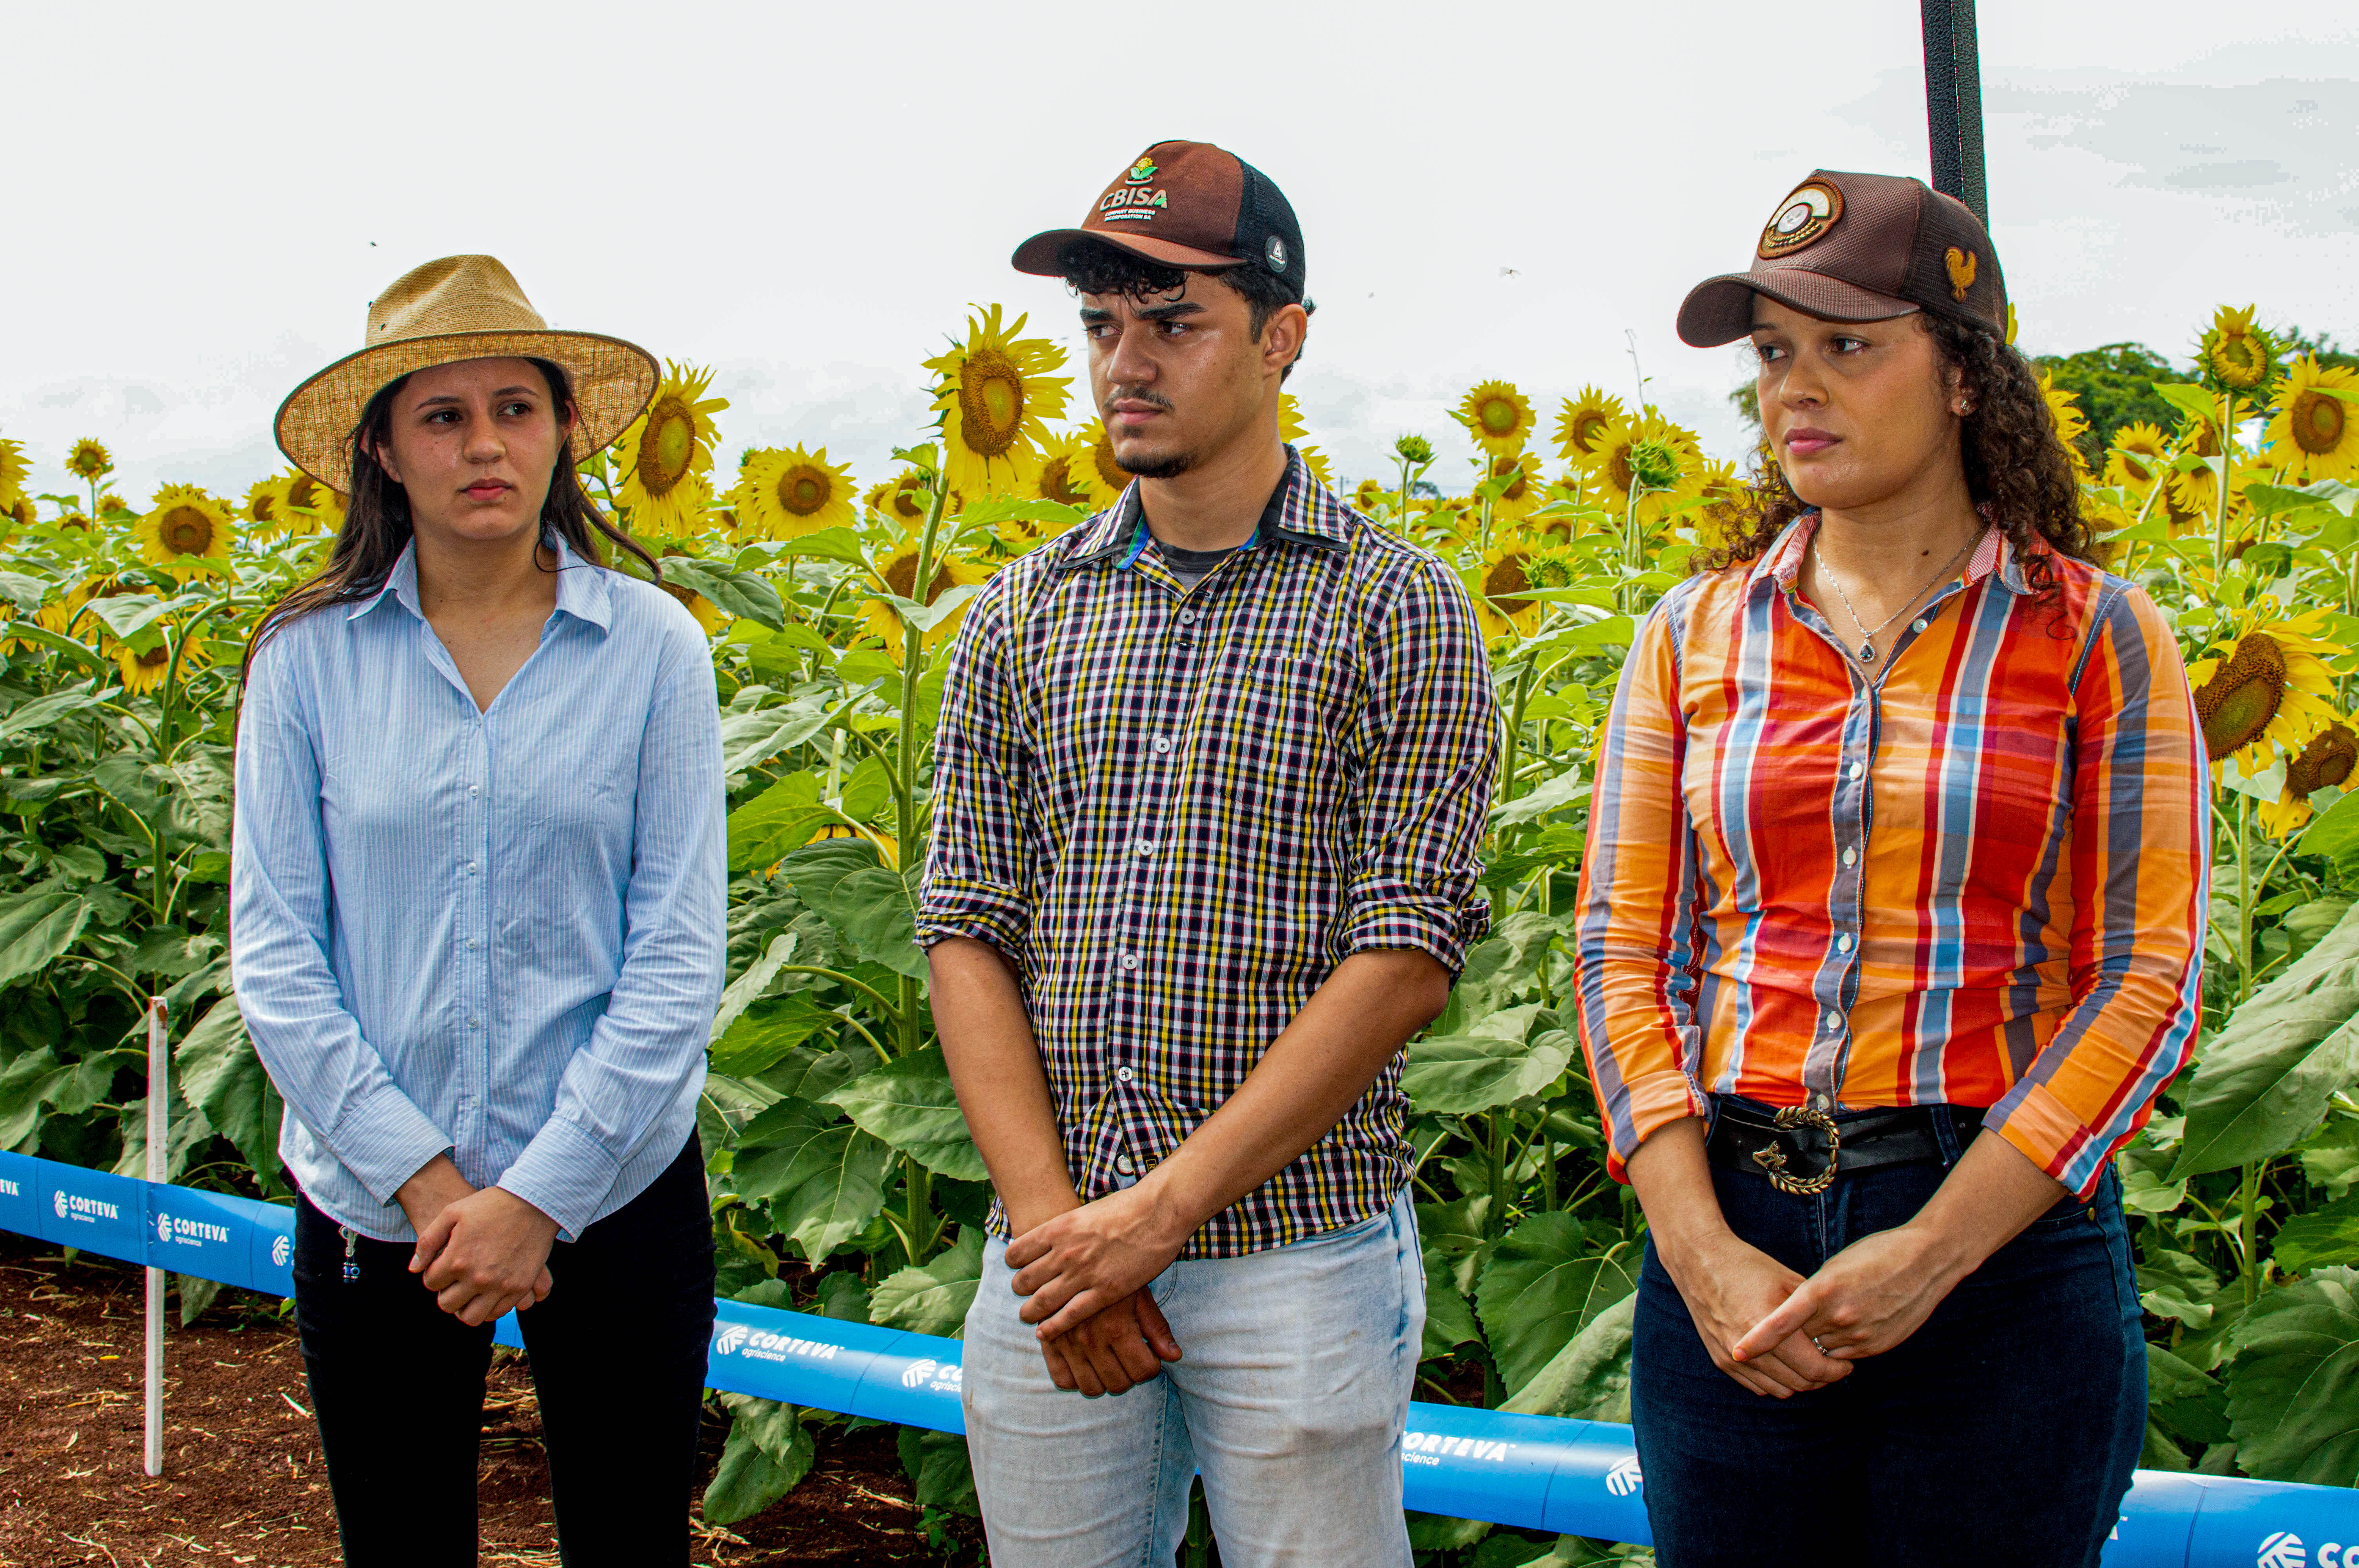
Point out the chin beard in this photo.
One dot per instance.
(1169, 465)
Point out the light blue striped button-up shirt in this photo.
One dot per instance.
(499, 935)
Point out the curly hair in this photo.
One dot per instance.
(2018, 469)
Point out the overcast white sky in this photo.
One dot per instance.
(808, 197)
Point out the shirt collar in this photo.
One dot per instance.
(1302, 511)
(1781, 563)
(582, 591)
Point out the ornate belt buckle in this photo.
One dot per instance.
(1772, 1159)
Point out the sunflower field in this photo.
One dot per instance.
(844, 1180)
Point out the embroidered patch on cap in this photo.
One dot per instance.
(1276, 252)
(1141, 172)
(1814, 208)
(1961, 272)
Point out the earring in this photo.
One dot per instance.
(1961, 408)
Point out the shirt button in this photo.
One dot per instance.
(1187, 618)
(475, 789)
(1162, 744)
(473, 943)
(1121, 1162)
(1130, 960)
(470, 867)
(1917, 625)
(1834, 1022)
(1820, 1101)
(1147, 846)
(1850, 857)
(1856, 770)
(474, 1023)
(1843, 943)
(1121, 1074)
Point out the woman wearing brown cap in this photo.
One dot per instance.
(477, 883)
(1890, 935)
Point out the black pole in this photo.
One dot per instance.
(1953, 101)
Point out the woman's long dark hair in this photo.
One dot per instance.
(377, 527)
(2018, 469)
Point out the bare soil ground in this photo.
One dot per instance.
(243, 1481)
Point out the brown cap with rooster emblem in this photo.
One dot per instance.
(1857, 247)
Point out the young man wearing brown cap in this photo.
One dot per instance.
(1212, 772)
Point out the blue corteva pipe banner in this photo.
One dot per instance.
(1578, 1477)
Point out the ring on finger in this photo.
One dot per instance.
(1821, 1349)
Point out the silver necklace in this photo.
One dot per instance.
(1867, 638)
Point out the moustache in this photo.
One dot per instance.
(1133, 394)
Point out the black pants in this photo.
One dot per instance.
(617, 1354)
(2001, 1431)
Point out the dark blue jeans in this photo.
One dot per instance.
(2004, 1431)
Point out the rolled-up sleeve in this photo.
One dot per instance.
(2139, 854)
(332, 1080)
(1429, 735)
(978, 881)
(648, 1049)
(1640, 914)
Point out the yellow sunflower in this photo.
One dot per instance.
(897, 571)
(994, 400)
(2265, 691)
(113, 508)
(1371, 493)
(14, 471)
(1582, 421)
(2236, 355)
(143, 669)
(1498, 417)
(1506, 577)
(1067, 474)
(1646, 455)
(2137, 456)
(20, 512)
(784, 492)
(2064, 409)
(901, 501)
(664, 448)
(1525, 488)
(185, 524)
(2316, 433)
(1316, 461)
(1111, 476)
(2325, 763)
(1290, 427)
(89, 459)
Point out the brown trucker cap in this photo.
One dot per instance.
(1857, 247)
(1186, 204)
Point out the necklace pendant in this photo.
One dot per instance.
(1867, 652)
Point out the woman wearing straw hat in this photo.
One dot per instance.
(477, 892)
(1890, 933)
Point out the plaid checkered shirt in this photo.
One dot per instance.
(1178, 811)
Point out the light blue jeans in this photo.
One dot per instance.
(1290, 1395)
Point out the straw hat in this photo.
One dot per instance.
(459, 308)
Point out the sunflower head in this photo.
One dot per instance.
(1583, 422)
(1498, 417)
(898, 570)
(14, 471)
(901, 501)
(1369, 494)
(2064, 412)
(89, 459)
(994, 400)
(1518, 477)
(1068, 474)
(2315, 431)
(2326, 761)
(784, 492)
(184, 525)
(1502, 603)
(2137, 456)
(2236, 355)
(2243, 695)
(664, 450)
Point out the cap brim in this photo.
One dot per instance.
(612, 381)
(1720, 309)
(1038, 254)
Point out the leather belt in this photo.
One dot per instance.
(1801, 1150)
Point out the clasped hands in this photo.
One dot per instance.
(483, 1251)
(1781, 1335)
(1084, 1274)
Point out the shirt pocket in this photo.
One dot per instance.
(1277, 728)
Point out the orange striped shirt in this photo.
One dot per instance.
(1974, 876)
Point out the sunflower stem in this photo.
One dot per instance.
(2248, 1187)
(2227, 467)
(2244, 897)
